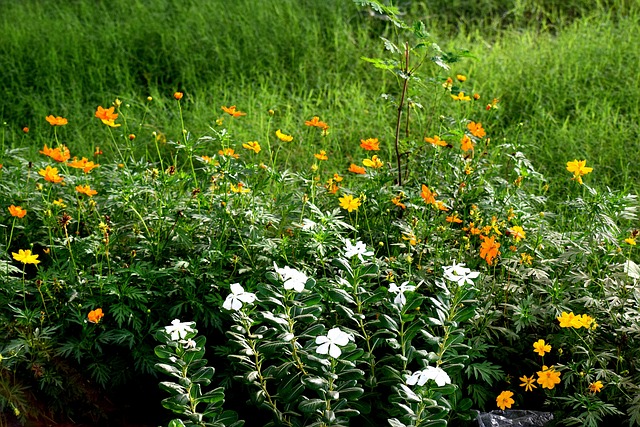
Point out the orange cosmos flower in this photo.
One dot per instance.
(428, 195)
(466, 144)
(373, 162)
(476, 129)
(316, 122)
(436, 141)
(454, 219)
(85, 189)
(17, 211)
(283, 136)
(84, 164)
(322, 155)
(396, 201)
(25, 129)
(56, 121)
(60, 154)
(229, 152)
(106, 114)
(357, 169)
(370, 144)
(178, 95)
(252, 145)
(489, 249)
(504, 400)
(595, 387)
(94, 316)
(232, 111)
(51, 174)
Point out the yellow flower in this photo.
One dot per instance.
(17, 211)
(239, 189)
(595, 387)
(526, 259)
(59, 203)
(541, 347)
(579, 169)
(322, 155)
(631, 241)
(517, 233)
(283, 136)
(410, 237)
(461, 78)
(527, 383)
(229, 152)
(349, 203)
(94, 316)
(252, 145)
(370, 144)
(25, 256)
(548, 377)
(461, 97)
(374, 162)
(504, 400)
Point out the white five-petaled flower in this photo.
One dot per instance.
(460, 274)
(237, 297)
(400, 299)
(329, 344)
(429, 373)
(293, 279)
(359, 249)
(178, 330)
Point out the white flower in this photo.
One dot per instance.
(400, 299)
(237, 297)
(293, 279)
(460, 274)
(359, 250)
(430, 373)
(329, 343)
(178, 330)
(189, 344)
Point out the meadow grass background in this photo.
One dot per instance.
(564, 71)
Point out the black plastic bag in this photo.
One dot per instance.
(517, 418)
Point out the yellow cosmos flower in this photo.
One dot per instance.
(239, 189)
(283, 136)
(595, 387)
(322, 155)
(25, 256)
(579, 169)
(461, 78)
(228, 152)
(548, 377)
(527, 383)
(349, 203)
(253, 146)
(517, 233)
(373, 162)
(504, 400)
(541, 347)
(631, 241)
(461, 97)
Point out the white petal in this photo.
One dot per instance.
(236, 288)
(334, 351)
(322, 339)
(247, 297)
(228, 302)
(323, 349)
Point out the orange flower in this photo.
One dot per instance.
(283, 136)
(428, 195)
(106, 114)
(466, 144)
(60, 154)
(178, 95)
(476, 96)
(252, 145)
(232, 111)
(504, 400)
(373, 162)
(25, 129)
(357, 169)
(396, 201)
(17, 211)
(322, 155)
(436, 141)
(83, 164)
(57, 121)
(370, 144)
(85, 189)
(454, 219)
(548, 377)
(229, 152)
(94, 316)
(315, 121)
(337, 178)
(51, 174)
(489, 249)
(476, 129)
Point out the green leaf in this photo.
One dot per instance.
(168, 369)
(311, 405)
(176, 423)
(388, 323)
(315, 383)
(172, 388)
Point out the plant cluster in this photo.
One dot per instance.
(358, 290)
